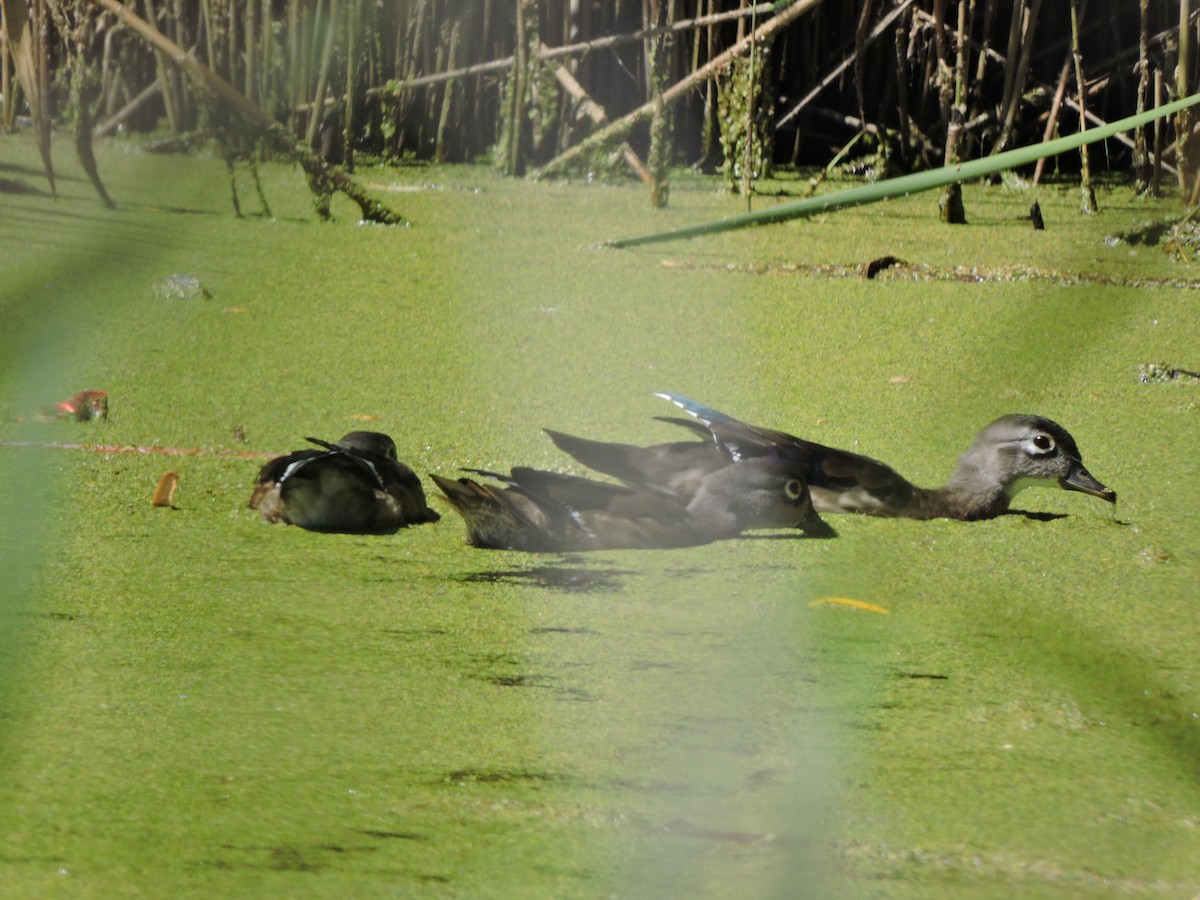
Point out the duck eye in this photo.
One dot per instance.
(794, 489)
(1044, 442)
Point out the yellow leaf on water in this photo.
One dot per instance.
(164, 494)
(847, 601)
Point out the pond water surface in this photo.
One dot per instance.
(197, 703)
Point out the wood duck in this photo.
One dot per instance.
(356, 485)
(545, 512)
(1009, 455)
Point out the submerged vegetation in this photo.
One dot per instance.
(555, 86)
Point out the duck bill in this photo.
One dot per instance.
(1080, 479)
(814, 526)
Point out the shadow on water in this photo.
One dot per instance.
(574, 576)
(577, 574)
(13, 186)
(545, 682)
(36, 171)
(787, 536)
(308, 858)
(502, 776)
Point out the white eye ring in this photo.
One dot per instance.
(1042, 443)
(794, 489)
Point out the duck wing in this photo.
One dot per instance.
(275, 470)
(335, 492)
(840, 481)
(266, 496)
(367, 463)
(392, 478)
(544, 511)
(673, 469)
(404, 487)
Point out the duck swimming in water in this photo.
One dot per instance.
(1012, 453)
(543, 511)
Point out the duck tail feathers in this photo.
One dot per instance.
(705, 414)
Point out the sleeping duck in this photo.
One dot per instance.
(356, 485)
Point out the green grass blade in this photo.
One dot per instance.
(911, 184)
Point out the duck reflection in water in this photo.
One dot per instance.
(572, 574)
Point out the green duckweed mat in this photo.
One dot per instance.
(197, 704)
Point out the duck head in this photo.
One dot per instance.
(371, 443)
(1020, 451)
(757, 493)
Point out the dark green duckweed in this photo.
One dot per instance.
(197, 703)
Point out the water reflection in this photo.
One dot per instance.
(502, 776)
(574, 576)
